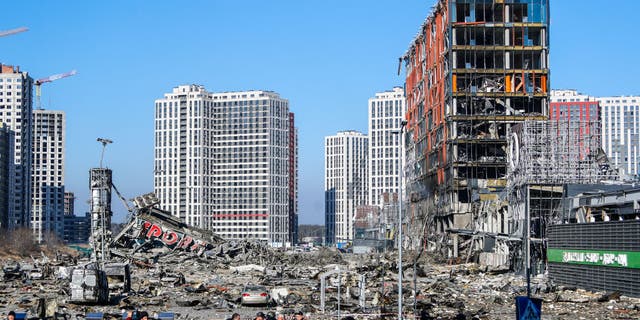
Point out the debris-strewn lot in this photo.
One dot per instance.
(209, 285)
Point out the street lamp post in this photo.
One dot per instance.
(401, 168)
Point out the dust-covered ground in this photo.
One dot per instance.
(209, 287)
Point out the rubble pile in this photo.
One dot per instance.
(208, 286)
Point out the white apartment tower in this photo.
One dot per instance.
(345, 183)
(386, 113)
(222, 161)
(16, 114)
(569, 95)
(47, 174)
(620, 118)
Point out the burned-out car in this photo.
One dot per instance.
(12, 271)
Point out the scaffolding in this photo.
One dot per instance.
(557, 152)
(544, 157)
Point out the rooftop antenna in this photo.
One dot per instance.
(104, 146)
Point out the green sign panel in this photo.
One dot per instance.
(620, 259)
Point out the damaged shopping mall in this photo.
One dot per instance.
(475, 70)
(490, 178)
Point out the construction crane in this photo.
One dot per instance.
(54, 77)
(104, 146)
(13, 31)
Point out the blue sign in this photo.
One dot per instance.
(528, 308)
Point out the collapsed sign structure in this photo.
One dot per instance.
(154, 227)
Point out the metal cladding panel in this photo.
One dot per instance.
(597, 256)
(609, 235)
(626, 281)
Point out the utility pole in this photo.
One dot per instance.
(401, 168)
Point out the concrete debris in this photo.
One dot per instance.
(248, 268)
(208, 286)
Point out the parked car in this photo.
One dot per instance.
(255, 294)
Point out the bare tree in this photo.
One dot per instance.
(19, 241)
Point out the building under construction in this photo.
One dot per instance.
(475, 69)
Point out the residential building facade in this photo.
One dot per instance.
(16, 112)
(77, 229)
(386, 153)
(7, 141)
(48, 149)
(574, 107)
(222, 161)
(620, 117)
(69, 203)
(293, 180)
(346, 183)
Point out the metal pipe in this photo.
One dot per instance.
(401, 168)
(527, 242)
(339, 282)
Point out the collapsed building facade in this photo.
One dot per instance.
(475, 69)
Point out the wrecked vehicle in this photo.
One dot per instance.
(38, 273)
(12, 271)
(89, 285)
(118, 277)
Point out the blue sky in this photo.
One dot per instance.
(327, 57)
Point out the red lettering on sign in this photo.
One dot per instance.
(186, 241)
(195, 246)
(145, 227)
(170, 238)
(154, 231)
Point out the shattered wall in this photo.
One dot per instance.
(474, 69)
(100, 182)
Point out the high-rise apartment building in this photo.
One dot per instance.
(570, 105)
(475, 68)
(293, 180)
(222, 161)
(77, 229)
(69, 203)
(7, 141)
(16, 112)
(47, 174)
(346, 183)
(620, 117)
(386, 113)
(574, 107)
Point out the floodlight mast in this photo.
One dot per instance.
(104, 146)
